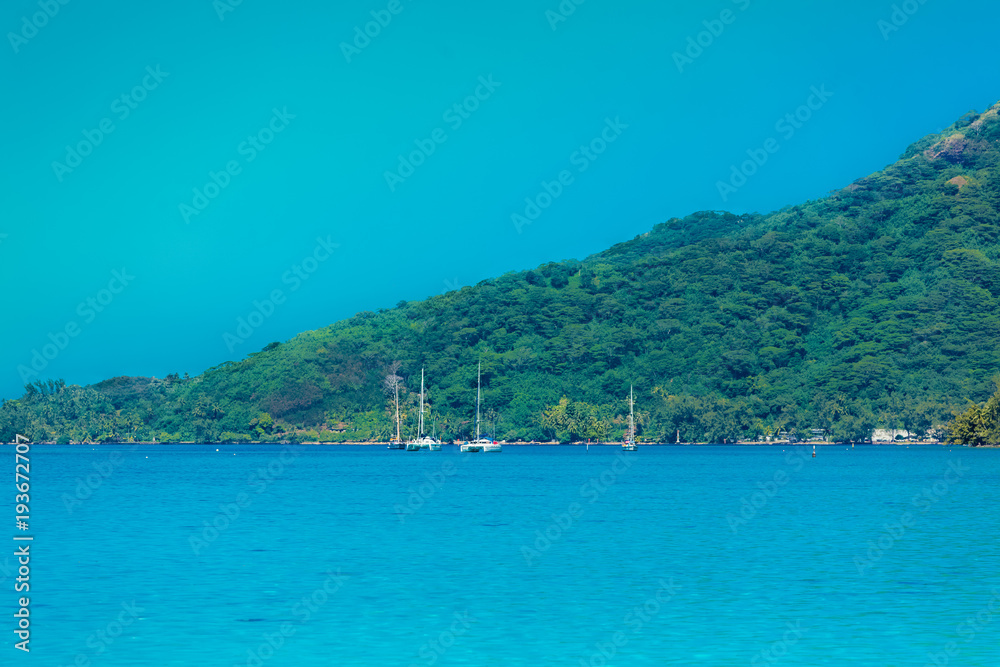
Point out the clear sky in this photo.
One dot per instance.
(289, 122)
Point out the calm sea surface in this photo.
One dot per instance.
(537, 556)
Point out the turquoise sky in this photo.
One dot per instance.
(175, 164)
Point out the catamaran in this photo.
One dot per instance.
(422, 441)
(397, 442)
(481, 444)
(629, 444)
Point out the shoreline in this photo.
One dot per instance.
(528, 444)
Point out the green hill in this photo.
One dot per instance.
(874, 307)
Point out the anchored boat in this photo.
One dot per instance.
(629, 444)
(481, 444)
(422, 441)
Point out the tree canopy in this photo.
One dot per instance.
(980, 424)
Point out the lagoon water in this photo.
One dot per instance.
(537, 556)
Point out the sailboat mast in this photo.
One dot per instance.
(397, 411)
(479, 379)
(421, 434)
(631, 418)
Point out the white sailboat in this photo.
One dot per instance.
(422, 441)
(480, 444)
(629, 444)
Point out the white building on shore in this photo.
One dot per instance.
(889, 435)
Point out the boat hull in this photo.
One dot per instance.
(429, 444)
(481, 445)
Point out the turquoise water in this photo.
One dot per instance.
(366, 556)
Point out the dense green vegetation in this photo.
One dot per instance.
(874, 307)
(980, 424)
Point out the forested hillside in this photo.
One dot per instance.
(874, 307)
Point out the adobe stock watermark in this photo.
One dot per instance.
(593, 489)
(294, 277)
(87, 309)
(581, 158)
(249, 149)
(787, 125)
(968, 629)
(899, 17)
(714, 28)
(302, 611)
(86, 486)
(38, 20)
(635, 620)
(923, 501)
(768, 489)
(780, 648)
(565, 9)
(430, 652)
(258, 481)
(223, 7)
(122, 106)
(426, 490)
(381, 18)
(101, 640)
(455, 116)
